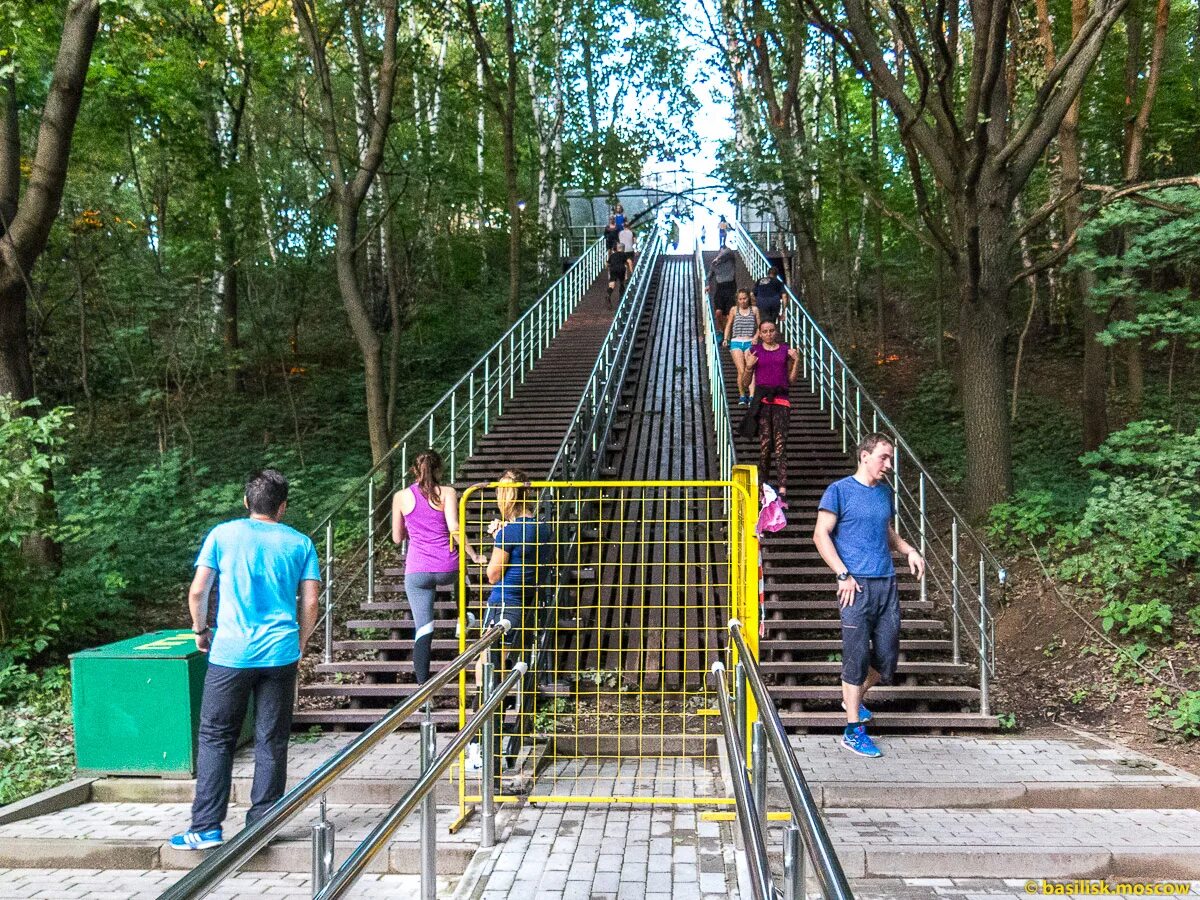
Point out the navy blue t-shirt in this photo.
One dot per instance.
(531, 553)
(861, 534)
(768, 292)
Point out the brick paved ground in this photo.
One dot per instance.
(609, 852)
(126, 884)
(158, 821)
(396, 757)
(1112, 829)
(981, 760)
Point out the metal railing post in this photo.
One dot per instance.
(454, 437)
(857, 416)
(845, 423)
(921, 501)
(471, 415)
(758, 766)
(983, 641)
(329, 591)
(899, 485)
(371, 539)
(793, 864)
(954, 588)
(323, 845)
(739, 702)
(488, 755)
(428, 812)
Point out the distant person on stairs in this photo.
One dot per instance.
(620, 267)
(774, 366)
(259, 565)
(611, 233)
(741, 330)
(722, 276)
(768, 296)
(629, 239)
(856, 537)
(426, 515)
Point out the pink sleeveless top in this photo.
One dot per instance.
(429, 547)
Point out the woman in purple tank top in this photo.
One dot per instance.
(426, 514)
(774, 365)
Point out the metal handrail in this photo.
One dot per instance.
(354, 866)
(716, 378)
(850, 408)
(587, 435)
(452, 425)
(750, 817)
(805, 813)
(231, 856)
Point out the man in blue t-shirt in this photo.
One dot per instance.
(259, 564)
(856, 538)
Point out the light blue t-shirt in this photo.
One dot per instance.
(861, 534)
(259, 569)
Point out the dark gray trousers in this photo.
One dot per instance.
(227, 693)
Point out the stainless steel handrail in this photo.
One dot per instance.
(225, 861)
(805, 813)
(750, 818)
(354, 866)
(598, 399)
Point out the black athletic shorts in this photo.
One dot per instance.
(871, 631)
(725, 295)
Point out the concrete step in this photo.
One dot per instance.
(97, 835)
(1158, 844)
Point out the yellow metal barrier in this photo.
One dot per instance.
(624, 610)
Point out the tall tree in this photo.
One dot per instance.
(978, 151)
(26, 217)
(352, 170)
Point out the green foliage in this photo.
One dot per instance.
(29, 447)
(1136, 541)
(1185, 717)
(36, 749)
(550, 716)
(1151, 266)
(1007, 721)
(933, 424)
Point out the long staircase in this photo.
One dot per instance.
(372, 665)
(800, 647)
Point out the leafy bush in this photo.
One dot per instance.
(36, 749)
(1185, 717)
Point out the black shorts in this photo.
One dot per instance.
(515, 616)
(618, 276)
(871, 631)
(768, 312)
(724, 296)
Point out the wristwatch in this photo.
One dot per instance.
(199, 631)
(843, 576)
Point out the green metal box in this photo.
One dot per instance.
(136, 705)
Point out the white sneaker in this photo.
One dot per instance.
(474, 763)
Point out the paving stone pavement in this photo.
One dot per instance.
(960, 888)
(981, 760)
(1113, 829)
(647, 777)
(608, 852)
(128, 884)
(396, 757)
(158, 821)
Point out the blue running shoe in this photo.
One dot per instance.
(197, 840)
(864, 714)
(856, 740)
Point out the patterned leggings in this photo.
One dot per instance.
(772, 438)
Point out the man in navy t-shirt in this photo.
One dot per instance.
(856, 538)
(259, 564)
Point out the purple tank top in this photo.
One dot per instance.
(772, 368)
(429, 547)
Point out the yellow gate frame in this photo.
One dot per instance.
(739, 496)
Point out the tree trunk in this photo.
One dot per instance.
(16, 371)
(983, 278)
(365, 335)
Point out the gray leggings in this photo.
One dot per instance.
(421, 590)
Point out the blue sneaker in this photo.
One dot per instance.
(197, 840)
(856, 740)
(864, 714)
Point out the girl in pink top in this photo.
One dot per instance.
(426, 514)
(774, 366)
